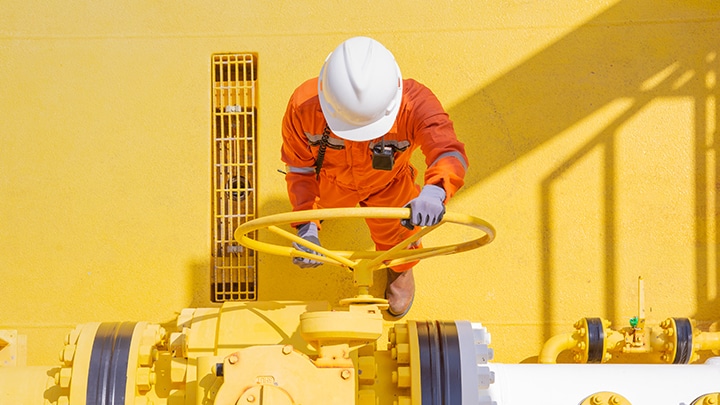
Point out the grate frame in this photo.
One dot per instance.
(234, 174)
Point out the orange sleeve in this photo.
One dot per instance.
(444, 154)
(302, 190)
(296, 153)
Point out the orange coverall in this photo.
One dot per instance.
(347, 178)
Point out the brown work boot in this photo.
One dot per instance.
(399, 291)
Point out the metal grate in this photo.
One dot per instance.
(234, 199)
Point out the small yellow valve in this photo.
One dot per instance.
(707, 399)
(605, 398)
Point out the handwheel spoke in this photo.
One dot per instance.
(281, 250)
(389, 254)
(317, 248)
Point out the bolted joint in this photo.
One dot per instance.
(147, 354)
(68, 354)
(403, 353)
(62, 378)
(403, 377)
(144, 378)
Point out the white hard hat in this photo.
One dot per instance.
(360, 89)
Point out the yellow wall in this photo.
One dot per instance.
(591, 129)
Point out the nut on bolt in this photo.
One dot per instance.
(144, 378)
(403, 400)
(68, 354)
(403, 377)
(72, 337)
(62, 378)
(146, 355)
(403, 353)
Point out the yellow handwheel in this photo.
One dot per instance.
(373, 260)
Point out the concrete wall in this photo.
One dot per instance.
(591, 129)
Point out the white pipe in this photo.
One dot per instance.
(640, 384)
(571, 384)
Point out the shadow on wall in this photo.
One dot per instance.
(612, 56)
(636, 50)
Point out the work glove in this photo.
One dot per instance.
(309, 232)
(427, 208)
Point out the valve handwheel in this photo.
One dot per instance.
(350, 259)
(362, 263)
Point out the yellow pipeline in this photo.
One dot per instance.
(675, 341)
(272, 352)
(251, 345)
(586, 334)
(707, 341)
(666, 343)
(556, 345)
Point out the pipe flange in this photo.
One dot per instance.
(475, 355)
(449, 363)
(590, 335)
(683, 341)
(679, 332)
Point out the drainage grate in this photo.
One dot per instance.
(234, 177)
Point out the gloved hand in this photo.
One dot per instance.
(427, 208)
(309, 232)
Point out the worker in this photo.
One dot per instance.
(348, 136)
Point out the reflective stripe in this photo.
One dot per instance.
(301, 170)
(456, 155)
